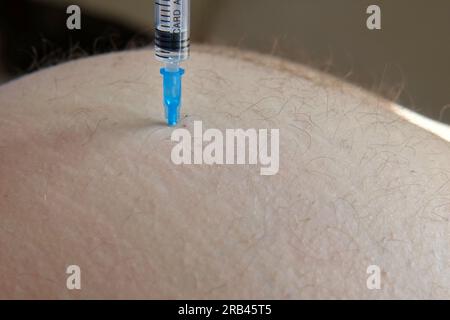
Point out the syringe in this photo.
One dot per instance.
(172, 47)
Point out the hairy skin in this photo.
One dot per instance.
(86, 179)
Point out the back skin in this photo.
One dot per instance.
(86, 179)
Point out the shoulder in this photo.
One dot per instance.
(87, 178)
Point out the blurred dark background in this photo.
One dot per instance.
(407, 61)
(33, 35)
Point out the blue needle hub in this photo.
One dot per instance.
(172, 94)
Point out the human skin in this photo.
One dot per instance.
(86, 179)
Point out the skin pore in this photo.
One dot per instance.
(86, 179)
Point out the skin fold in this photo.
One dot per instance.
(86, 179)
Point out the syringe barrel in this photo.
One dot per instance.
(172, 23)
